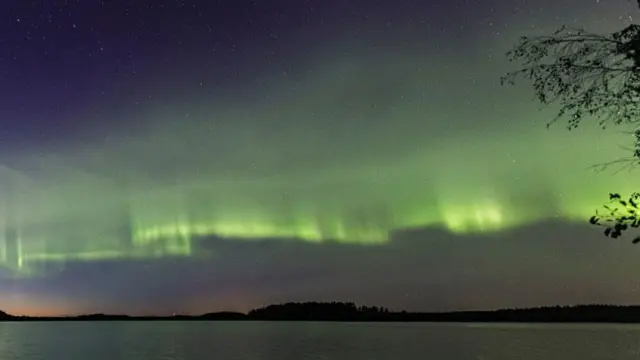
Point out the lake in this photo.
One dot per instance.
(314, 341)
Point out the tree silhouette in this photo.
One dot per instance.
(589, 76)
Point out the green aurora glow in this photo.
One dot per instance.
(465, 194)
(396, 156)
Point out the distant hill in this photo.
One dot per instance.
(345, 311)
(5, 316)
(224, 315)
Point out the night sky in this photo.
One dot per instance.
(193, 156)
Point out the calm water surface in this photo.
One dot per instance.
(301, 341)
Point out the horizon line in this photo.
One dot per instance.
(293, 303)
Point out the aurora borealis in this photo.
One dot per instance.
(197, 157)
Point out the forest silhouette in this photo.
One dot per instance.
(350, 312)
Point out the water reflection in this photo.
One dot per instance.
(301, 341)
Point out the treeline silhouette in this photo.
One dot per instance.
(317, 311)
(347, 311)
(337, 311)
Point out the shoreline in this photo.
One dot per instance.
(349, 312)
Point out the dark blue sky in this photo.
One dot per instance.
(81, 61)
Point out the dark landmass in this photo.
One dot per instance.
(349, 312)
